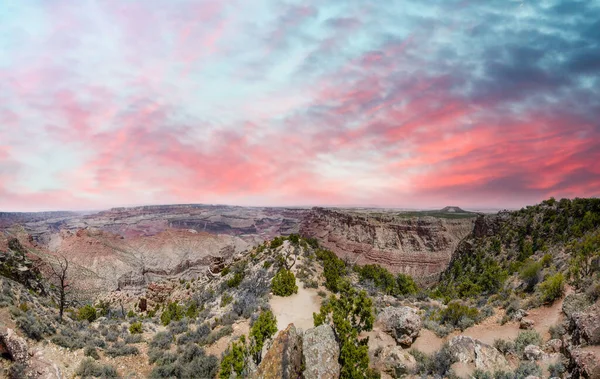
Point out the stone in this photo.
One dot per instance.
(553, 346)
(403, 323)
(394, 360)
(484, 357)
(585, 326)
(321, 353)
(584, 362)
(16, 346)
(532, 353)
(284, 358)
(519, 314)
(526, 323)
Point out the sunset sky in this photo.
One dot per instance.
(415, 104)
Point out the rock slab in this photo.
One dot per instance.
(321, 353)
(403, 323)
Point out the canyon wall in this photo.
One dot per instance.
(419, 246)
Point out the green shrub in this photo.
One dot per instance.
(276, 242)
(131, 314)
(88, 368)
(436, 365)
(284, 283)
(526, 369)
(225, 271)
(530, 274)
(226, 299)
(87, 312)
(349, 314)
(504, 346)
(528, 337)
(334, 269)
(552, 288)
(455, 313)
(235, 280)
(385, 280)
(234, 359)
(136, 328)
(162, 340)
(263, 328)
(174, 312)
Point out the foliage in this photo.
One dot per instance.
(234, 359)
(136, 328)
(276, 242)
(162, 340)
(119, 349)
(284, 283)
(456, 312)
(437, 364)
(349, 314)
(33, 328)
(552, 288)
(385, 280)
(235, 280)
(585, 256)
(504, 346)
(530, 274)
(526, 369)
(174, 312)
(189, 362)
(226, 299)
(334, 269)
(263, 328)
(88, 368)
(90, 351)
(87, 312)
(528, 337)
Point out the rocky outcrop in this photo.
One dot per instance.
(402, 323)
(484, 357)
(419, 246)
(284, 358)
(321, 352)
(526, 323)
(14, 345)
(533, 353)
(585, 326)
(584, 362)
(394, 360)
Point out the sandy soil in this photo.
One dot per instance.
(297, 309)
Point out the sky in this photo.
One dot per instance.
(414, 104)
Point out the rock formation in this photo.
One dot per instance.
(419, 246)
(484, 357)
(284, 358)
(321, 353)
(403, 323)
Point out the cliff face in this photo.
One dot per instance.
(421, 247)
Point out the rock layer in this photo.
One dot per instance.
(419, 246)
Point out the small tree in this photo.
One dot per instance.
(552, 288)
(59, 276)
(284, 283)
(263, 328)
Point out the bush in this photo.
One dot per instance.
(133, 338)
(504, 346)
(87, 312)
(530, 274)
(90, 351)
(119, 349)
(262, 329)
(33, 328)
(226, 299)
(162, 340)
(69, 339)
(528, 337)
(334, 269)
(552, 288)
(556, 370)
(234, 359)
(88, 368)
(456, 313)
(17, 371)
(284, 283)
(437, 364)
(178, 327)
(385, 280)
(174, 312)
(526, 369)
(136, 328)
(235, 280)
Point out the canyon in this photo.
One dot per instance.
(127, 248)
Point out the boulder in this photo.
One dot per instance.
(553, 346)
(585, 326)
(284, 358)
(532, 353)
(403, 323)
(484, 357)
(15, 346)
(519, 314)
(321, 353)
(584, 362)
(394, 360)
(526, 323)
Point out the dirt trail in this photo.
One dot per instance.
(297, 309)
(491, 329)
